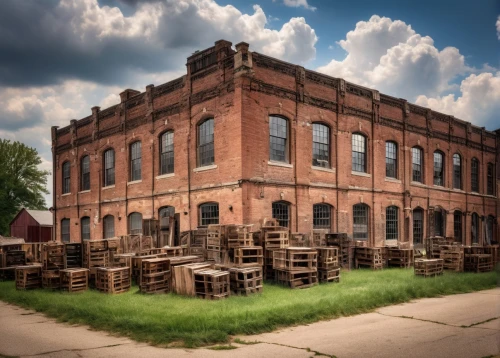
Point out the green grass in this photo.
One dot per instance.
(171, 320)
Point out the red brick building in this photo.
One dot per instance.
(243, 136)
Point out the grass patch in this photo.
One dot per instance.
(222, 348)
(167, 319)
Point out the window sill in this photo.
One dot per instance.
(165, 176)
(417, 183)
(84, 191)
(361, 174)
(321, 169)
(393, 180)
(207, 167)
(458, 190)
(134, 182)
(107, 187)
(279, 164)
(65, 194)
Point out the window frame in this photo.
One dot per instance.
(490, 179)
(109, 171)
(209, 220)
(131, 217)
(85, 228)
(135, 162)
(361, 155)
(85, 175)
(388, 160)
(321, 209)
(458, 226)
(105, 226)
(419, 230)
(392, 223)
(474, 175)
(65, 230)
(420, 165)
(442, 229)
(442, 177)
(319, 160)
(278, 121)
(210, 143)
(457, 171)
(361, 207)
(475, 217)
(277, 212)
(66, 177)
(167, 157)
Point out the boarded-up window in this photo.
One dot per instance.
(109, 226)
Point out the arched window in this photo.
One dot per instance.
(417, 165)
(66, 176)
(474, 175)
(281, 212)
(85, 228)
(391, 160)
(457, 226)
(164, 214)
(209, 214)
(457, 171)
(391, 223)
(65, 232)
(438, 168)
(206, 154)
(360, 222)
(439, 223)
(475, 228)
(167, 153)
(322, 216)
(418, 226)
(109, 167)
(85, 173)
(321, 145)
(108, 226)
(490, 181)
(359, 153)
(278, 139)
(135, 223)
(490, 221)
(135, 161)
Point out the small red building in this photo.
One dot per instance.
(32, 225)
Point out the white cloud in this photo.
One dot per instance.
(298, 3)
(498, 27)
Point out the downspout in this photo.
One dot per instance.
(295, 159)
(189, 146)
(54, 178)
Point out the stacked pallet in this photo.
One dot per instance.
(273, 238)
(216, 246)
(74, 279)
(433, 246)
(8, 262)
(96, 254)
(328, 264)
(298, 239)
(28, 277)
(346, 248)
(478, 259)
(428, 267)
(369, 257)
(183, 277)
(296, 267)
(123, 260)
(248, 256)
(155, 276)
(398, 257)
(73, 255)
(113, 280)
(319, 237)
(238, 236)
(245, 281)
(51, 279)
(136, 262)
(198, 241)
(453, 257)
(211, 284)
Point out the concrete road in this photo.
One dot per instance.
(466, 325)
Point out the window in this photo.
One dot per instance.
(65, 230)
(457, 226)
(474, 175)
(109, 226)
(278, 139)
(438, 223)
(66, 184)
(438, 169)
(206, 143)
(475, 228)
(167, 153)
(85, 228)
(85, 179)
(490, 182)
(164, 214)
(418, 226)
(358, 153)
(135, 161)
(416, 154)
(360, 222)
(322, 216)
(109, 167)
(457, 171)
(391, 160)
(135, 223)
(281, 212)
(321, 145)
(209, 214)
(391, 223)
(490, 220)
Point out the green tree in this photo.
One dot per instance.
(22, 184)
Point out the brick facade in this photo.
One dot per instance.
(241, 90)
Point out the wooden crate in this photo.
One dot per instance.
(398, 257)
(479, 258)
(155, 275)
(122, 260)
(239, 236)
(245, 281)
(296, 259)
(197, 251)
(183, 277)
(298, 239)
(171, 251)
(211, 284)
(53, 256)
(428, 267)
(249, 256)
(13, 258)
(453, 257)
(319, 237)
(33, 251)
(369, 257)
(297, 279)
(269, 272)
(28, 277)
(74, 279)
(137, 265)
(113, 280)
(276, 239)
(73, 255)
(51, 279)
(346, 248)
(328, 257)
(332, 275)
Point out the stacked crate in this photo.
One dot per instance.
(123, 260)
(248, 256)
(398, 257)
(96, 254)
(238, 236)
(216, 245)
(428, 267)
(51, 279)
(273, 238)
(155, 275)
(298, 239)
(453, 257)
(478, 259)
(433, 246)
(212, 284)
(136, 262)
(369, 257)
(245, 281)
(73, 255)
(53, 259)
(197, 242)
(328, 264)
(296, 267)
(28, 277)
(113, 280)
(74, 279)
(183, 277)
(8, 262)
(319, 237)
(346, 248)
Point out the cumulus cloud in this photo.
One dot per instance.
(390, 56)
(299, 3)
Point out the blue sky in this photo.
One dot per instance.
(59, 58)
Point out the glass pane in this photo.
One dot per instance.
(457, 226)
(438, 169)
(109, 226)
(321, 145)
(167, 153)
(135, 165)
(358, 153)
(391, 223)
(206, 143)
(417, 164)
(360, 222)
(278, 139)
(209, 214)
(135, 223)
(457, 172)
(281, 213)
(321, 216)
(418, 226)
(475, 175)
(85, 222)
(390, 160)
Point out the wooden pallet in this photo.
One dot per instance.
(478, 263)
(211, 284)
(428, 267)
(73, 255)
(269, 272)
(12, 258)
(122, 260)
(453, 257)
(249, 256)
(155, 275)
(369, 257)
(398, 257)
(319, 237)
(298, 239)
(297, 279)
(137, 265)
(74, 279)
(183, 277)
(239, 236)
(53, 256)
(346, 248)
(296, 259)
(245, 281)
(113, 280)
(276, 239)
(332, 275)
(51, 279)
(328, 257)
(28, 277)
